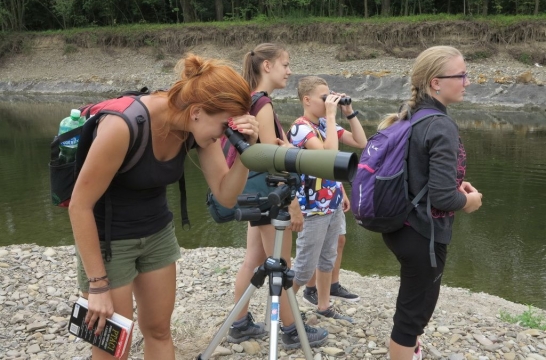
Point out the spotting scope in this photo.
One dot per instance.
(326, 164)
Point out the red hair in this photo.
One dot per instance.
(210, 84)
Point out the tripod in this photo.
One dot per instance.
(274, 267)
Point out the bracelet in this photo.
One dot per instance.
(355, 113)
(95, 279)
(99, 290)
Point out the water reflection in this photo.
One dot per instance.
(500, 249)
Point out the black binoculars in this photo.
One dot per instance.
(345, 100)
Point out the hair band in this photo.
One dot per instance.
(251, 52)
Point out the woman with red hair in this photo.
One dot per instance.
(193, 113)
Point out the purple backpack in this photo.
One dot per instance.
(379, 196)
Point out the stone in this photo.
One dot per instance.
(221, 351)
(333, 351)
(49, 252)
(482, 340)
(251, 347)
(33, 349)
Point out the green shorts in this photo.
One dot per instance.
(133, 256)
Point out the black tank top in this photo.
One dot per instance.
(138, 196)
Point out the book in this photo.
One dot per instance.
(113, 338)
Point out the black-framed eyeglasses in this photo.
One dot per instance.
(458, 76)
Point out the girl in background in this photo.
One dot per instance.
(267, 68)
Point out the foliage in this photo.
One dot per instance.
(22, 15)
(531, 318)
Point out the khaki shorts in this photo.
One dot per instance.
(133, 256)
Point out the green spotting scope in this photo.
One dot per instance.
(326, 164)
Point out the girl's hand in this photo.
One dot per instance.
(246, 125)
(296, 216)
(346, 204)
(346, 110)
(331, 102)
(467, 188)
(284, 143)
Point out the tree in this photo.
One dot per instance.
(536, 7)
(484, 7)
(187, 11)
(64, 8)
(12, 14)
(366, 15)
(219, 7)
(385, 7)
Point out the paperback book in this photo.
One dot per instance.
(113, 338)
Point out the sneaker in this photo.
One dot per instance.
(343, 294)
(418, 355)
(310, 297)
(332, 313)
(316, 337)
(243, 333)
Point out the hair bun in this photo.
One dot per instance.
(194, 66)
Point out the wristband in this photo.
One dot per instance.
(355, 113)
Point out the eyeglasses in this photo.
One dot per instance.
(458, 76)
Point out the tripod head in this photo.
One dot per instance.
(286, 186)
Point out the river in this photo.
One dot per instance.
(500, 249)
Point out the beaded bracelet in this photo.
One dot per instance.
(95, 279)
(99, 290)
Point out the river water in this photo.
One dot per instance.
(501, 249)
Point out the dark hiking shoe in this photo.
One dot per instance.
(332, 313)
(242, 333)
(316, 337)
(342, 293)
(310, 297)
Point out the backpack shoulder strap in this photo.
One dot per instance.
(136, 116)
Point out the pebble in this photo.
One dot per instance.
(36, 303)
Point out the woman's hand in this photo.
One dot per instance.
(248, 126)
(101, 307)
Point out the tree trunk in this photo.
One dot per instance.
(448, 6)
(536, 7)
(219, 7)
(187, 11)
(406, 8)
(341, 7)
(366, 15)
(385, 7)
(484, 8)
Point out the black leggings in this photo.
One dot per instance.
(419, 283)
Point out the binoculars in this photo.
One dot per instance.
(345, 100)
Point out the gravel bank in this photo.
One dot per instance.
(38, 286)
(46, 69)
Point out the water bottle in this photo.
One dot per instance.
(69, 147)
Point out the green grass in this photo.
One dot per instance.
(531, 318)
